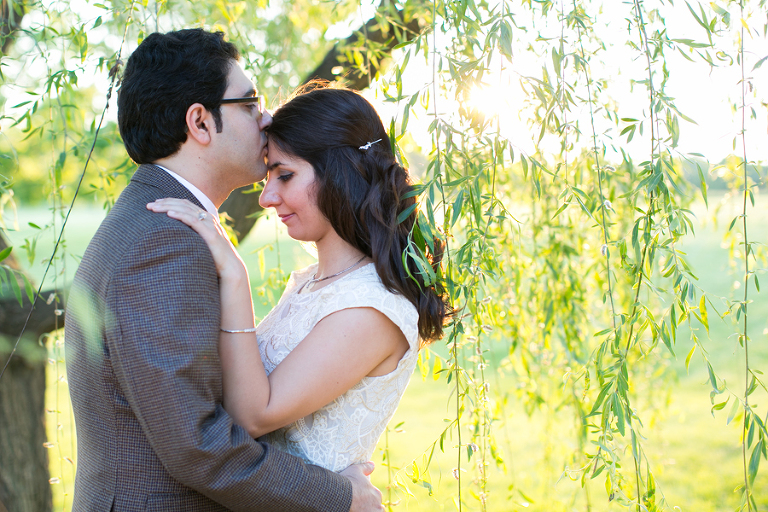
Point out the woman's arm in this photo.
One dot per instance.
(328, 362)
(340, 350)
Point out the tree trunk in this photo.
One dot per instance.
(11, 14)
(371, 35)
(24, 473)
(13, 315)
(242, 207)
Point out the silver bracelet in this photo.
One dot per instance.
(250, 329)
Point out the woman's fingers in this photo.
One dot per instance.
(187, 212)
(183, 210)
(179, 206)
(169, 202)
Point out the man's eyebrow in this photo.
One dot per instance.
(250, 92)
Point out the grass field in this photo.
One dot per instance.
(696, 457)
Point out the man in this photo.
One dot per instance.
(143, 317)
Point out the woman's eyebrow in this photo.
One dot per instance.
(273, 166)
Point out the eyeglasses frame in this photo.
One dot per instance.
(248, 99)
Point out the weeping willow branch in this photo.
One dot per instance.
(747, 246)
(590, 101)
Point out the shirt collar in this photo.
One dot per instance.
(207, 203)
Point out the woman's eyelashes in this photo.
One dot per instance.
(285, 177)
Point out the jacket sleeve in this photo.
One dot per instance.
(162, 335)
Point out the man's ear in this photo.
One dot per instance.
(200, 123)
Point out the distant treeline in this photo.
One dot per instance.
(718, 176)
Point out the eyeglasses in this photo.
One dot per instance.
(251, 101)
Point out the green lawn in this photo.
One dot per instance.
(696, 457)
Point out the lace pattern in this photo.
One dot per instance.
(345, 431)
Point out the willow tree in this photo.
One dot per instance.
(563, 214)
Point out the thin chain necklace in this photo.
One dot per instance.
(312, 279)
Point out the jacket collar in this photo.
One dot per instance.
(155, 176)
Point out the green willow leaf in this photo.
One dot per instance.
(618, 410)
(16, 289)
(29, 289)
(688, 358)
(413, 192)
(691, 43)
(599, 401)
(405, 213)
(752, 430)
(559, 210)
(719, 407)
(713, 379)
(666, 338)
(505, 39)
(456, 208)
(702, 184)
(732, 413)
(754, 461)
(703, 317)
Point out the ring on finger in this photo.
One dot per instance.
(202, 215)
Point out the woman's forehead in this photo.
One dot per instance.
(277, 157)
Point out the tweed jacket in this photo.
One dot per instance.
(143, 322)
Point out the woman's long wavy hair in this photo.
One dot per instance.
(361, 191)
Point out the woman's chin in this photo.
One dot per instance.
(299, 236)
(303, 240)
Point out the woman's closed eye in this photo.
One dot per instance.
(285, 177)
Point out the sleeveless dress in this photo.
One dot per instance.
(345, 431)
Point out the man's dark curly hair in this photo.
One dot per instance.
(164, 76)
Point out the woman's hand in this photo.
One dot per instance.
(228, 261)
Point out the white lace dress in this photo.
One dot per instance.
(346, 430)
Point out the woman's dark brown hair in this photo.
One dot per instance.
(360, 191)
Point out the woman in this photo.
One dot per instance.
(342, 342)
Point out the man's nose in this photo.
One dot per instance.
(265, 121)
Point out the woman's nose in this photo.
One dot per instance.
(268, 198)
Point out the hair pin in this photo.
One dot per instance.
(367, 145)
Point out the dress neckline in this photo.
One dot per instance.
(306, 277)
